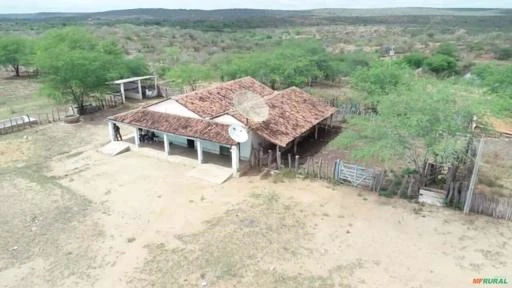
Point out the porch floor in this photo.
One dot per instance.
(183, 155)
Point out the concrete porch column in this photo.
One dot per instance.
(111, 131)
(137, 143)
(140, 89)
(166, 145)
(199, 151)
(235, 160)
(122, 93)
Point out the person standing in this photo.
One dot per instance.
(117, 133)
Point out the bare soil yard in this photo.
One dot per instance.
(72, 217)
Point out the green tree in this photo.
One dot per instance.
(447, 49)
(414, 60)
(380, 79)
(15, 51)
(189, 75)
(423, 121)
(441, 64)
(291, 63)
(74, 64)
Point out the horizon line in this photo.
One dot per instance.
(262, 9)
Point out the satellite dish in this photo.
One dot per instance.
(251, 105)
(238, 133)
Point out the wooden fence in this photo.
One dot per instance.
(54, 114)
(339, 171)
(497, 207)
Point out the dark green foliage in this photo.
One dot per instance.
(74, 65)
(379, 79)
(441, 64)
(292, 63)
(346, 64)
(503, 53)
(16, 51)
(447, 49)
(189, 75)
(414, 60)
(498, 82)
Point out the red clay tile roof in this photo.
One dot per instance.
(178, 125)
(210, 102)
(292, 112)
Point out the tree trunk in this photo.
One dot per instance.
(16, 69)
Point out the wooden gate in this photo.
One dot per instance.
(356, 175)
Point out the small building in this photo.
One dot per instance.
(200, 120)
(135, 89)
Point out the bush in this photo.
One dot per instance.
(441, 64)
(503, 53)
(379, 79)
(415, 60)
(447, 49)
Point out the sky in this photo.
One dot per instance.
(31, 6)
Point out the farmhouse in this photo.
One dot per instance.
(200, 120)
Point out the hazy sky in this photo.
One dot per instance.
(28, 6)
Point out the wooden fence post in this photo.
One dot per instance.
(269, 158)
(289, 161)
(260, 160)
(296, 163)
(335, 169)
(474, 178)
(320, 168)
(278, 158)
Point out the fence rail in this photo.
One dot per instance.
(54, 114)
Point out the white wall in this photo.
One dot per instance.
(172, 107)
(177, 140)
(207, 146)
(227, 120)
(211, 147)
(132, 94)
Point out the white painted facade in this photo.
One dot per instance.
(173, 107)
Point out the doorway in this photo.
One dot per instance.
(190, 143)
(225, 151)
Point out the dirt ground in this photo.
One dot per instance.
(20, 95)
(495, 175)
(72, 217)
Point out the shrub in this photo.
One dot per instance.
(447, 49)
(415, 59)
(503, 53)
(441, 64)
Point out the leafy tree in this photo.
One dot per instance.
(291, 63)
(74, 64)
(447, 49)
(422, 121)
(380, 79)
(15, 51)
(414, 60)
(189, 75)
(441, 64)
(346, 64)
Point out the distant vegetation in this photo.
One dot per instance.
(422, 74)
